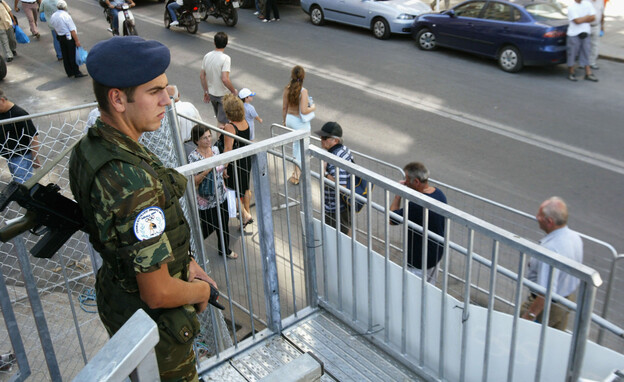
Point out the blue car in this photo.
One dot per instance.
(514, 33)
(383, 17)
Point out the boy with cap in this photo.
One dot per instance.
(331, 140)
(251, 114)
(129, 202)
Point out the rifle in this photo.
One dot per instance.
(48, 213)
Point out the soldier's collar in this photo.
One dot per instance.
(121, 140)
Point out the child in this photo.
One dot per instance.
(250, 112)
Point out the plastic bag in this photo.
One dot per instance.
(20, 36)
(42, 17)
(81, 55)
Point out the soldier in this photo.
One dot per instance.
(129, 201)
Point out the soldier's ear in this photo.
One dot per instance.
(117, 100)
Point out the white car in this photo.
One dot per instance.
(383, 17)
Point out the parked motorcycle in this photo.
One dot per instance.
(225, 9)
(124, 17)
(188, 17)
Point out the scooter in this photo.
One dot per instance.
(187, 17)
(124, 17)
(225, 9)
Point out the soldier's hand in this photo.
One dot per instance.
(201, 307)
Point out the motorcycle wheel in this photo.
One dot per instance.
(129, 30)
(203, 11)
(191, 24)
(230, 17)
(167, 18)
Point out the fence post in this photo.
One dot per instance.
(35, 303)
(310, 239)
(582, 322)
(262, 185)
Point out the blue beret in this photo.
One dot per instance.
(123, 62)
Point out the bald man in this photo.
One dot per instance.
(552, 218)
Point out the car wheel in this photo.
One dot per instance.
(426, 39)
(381, 29)
(510, 59)
(316, 15)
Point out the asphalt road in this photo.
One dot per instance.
(513, 138)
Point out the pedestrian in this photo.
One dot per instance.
(113, 7)
(295, 103)
(31, 9)
(48, 7)
(67, 35)
(251, 115)
(7, 33)
(215, 77)
(19, 141)
(552, 218)
(596, 29)
(214, 202)
(258, 11)
(417, 178)
(185, 125)
(270, 5)
(130, 204)
(331, 140)
(235, 112)
(581, 14)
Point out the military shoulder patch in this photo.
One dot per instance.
(150, 223)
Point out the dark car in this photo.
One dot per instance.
(514, 33)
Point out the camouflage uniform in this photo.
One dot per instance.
(114, 180)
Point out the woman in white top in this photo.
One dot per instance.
(295, 103)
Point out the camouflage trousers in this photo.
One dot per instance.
(176, 361)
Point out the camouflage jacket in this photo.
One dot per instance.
(130, 204)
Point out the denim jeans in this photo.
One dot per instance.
(21, 167)
(173, 7)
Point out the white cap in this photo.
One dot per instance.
(244, 93)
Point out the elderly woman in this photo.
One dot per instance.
(295, 103)
(235, 112)
(209, 205)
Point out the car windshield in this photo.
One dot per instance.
(544, 12)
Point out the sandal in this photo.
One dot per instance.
(248, 222)
(232, 255)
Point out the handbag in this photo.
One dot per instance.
(206, 188)
(81, 55)
(20, 36)
(307, 117)
(42, 17)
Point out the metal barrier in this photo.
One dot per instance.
(274, 280)
(130, 352)
(604, 259)
(343, 295)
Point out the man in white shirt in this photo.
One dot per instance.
(67, 36)
(595, 32)
(552, 218)
(215, 77)
(581, 14)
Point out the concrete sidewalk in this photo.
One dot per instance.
(612, 43)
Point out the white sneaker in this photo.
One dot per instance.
(256, 13)
(174, 23)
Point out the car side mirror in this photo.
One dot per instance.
(451, 12)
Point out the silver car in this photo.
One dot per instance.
(381, 16)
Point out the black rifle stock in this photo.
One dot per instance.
(45, 207)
